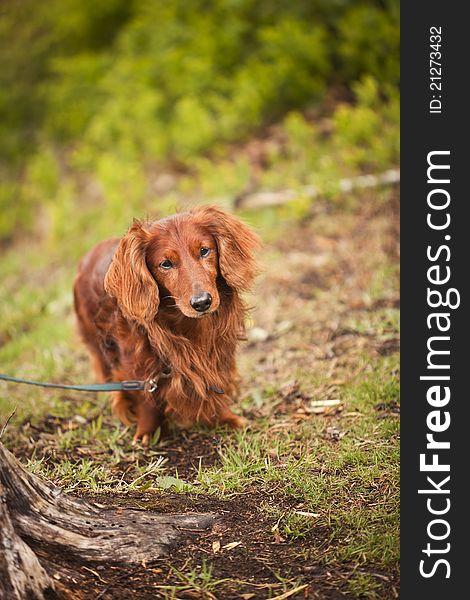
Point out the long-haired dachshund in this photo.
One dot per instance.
(163, 303)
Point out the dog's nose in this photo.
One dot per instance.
(201, 302)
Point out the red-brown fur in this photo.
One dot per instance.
(137, 320)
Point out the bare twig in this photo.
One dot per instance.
(291, 592)
(7, 421)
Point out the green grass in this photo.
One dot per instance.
(111, 466)
(198, 580)
(201, 581)
(363, 585)
(351, 485)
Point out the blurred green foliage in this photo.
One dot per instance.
(95, 94)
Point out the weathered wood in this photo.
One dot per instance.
(21, 574)
(38, 523)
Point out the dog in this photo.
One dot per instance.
(163, 303)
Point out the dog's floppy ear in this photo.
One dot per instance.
(129, 280)
(236, 244)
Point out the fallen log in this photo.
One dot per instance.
(39, 523)
(255, 200)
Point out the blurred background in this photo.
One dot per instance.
(118, 108)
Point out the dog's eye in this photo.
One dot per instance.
(166, 264)
(205, 252)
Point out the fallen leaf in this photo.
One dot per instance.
(231, 545)
(278, 539)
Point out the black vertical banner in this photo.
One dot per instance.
(435, 506)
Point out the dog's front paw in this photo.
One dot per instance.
(142, 438)
(232, 420)
(149, 420)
